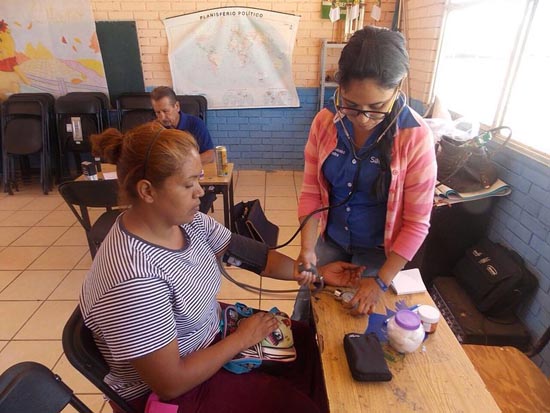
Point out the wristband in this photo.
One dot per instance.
(381, 283)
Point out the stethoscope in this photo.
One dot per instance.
(319, 284)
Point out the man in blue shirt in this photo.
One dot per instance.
(167, 110)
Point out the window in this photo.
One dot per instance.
(493, 65)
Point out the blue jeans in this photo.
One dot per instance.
(328, 251)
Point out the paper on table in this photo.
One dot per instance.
(408, 282)
(109, 175)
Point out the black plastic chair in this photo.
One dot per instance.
(30, 387)
(195, 105)
(93, 194)
(86, 110)
(26, 129)
(81, 351)
(134, 109)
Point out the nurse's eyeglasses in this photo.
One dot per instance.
(369, 114)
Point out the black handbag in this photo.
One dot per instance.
(466, 166)
(250, 221)
(495, 278)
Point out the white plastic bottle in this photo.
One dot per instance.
(405, 331)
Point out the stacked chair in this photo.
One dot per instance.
(88, 111)
(193, 105)
(134, 109)
(28, 128)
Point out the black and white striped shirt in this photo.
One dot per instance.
(138, 297)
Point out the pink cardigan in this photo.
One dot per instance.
(411, 192)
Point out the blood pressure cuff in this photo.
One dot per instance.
(246, 253)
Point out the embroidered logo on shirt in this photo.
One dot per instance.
(337, 152)
(375, 160)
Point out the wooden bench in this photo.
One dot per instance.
(514, 381)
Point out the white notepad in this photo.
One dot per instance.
(408, 282)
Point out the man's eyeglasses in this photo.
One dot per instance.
(369, 114)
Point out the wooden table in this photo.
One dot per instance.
(439, 378)
(220, 185)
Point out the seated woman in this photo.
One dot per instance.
(150, 296)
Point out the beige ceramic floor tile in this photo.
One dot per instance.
(23, 218)
(281, 203)
(278, 285)
(69, 289)
(13, 315)
(19, 258)
(33, 285)
(7, 277)
(247, 191)
(47, 203)
(59, 258)
(48, 322)
(73, 236)
(250, 180)
(10, 234)
(5, 214)
(39, 236)
(284, 178)
(286, 232)
(290, 250)
(95, 403)
(278, 190)
(46, 352)
(230, 291)
(15, 203)
(3, 344)
(283, 218)
(73, 378)
(286, 306)
(58, 219)
(63, 207)
(248, 302)
(85, 262)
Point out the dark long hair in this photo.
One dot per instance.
(379, 54)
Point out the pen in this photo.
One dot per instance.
(411, 308)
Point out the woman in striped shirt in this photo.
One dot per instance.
(150, 296)
(371, 158)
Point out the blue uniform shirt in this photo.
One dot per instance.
(359, 223)
(196, 127)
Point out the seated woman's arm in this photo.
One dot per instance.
(169, 376)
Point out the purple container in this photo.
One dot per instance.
(407, 320)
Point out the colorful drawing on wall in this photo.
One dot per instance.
(49, 46)
(238, 57)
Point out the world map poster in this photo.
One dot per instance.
(237, 57)
(49, 46)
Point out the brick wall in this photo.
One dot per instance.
(522, 222)
(154, 44)
(265, 138)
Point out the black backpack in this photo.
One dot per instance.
(495, 278)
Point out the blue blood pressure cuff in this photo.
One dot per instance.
(246, 253)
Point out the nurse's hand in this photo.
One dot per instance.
(303, 272)
(366, 298)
